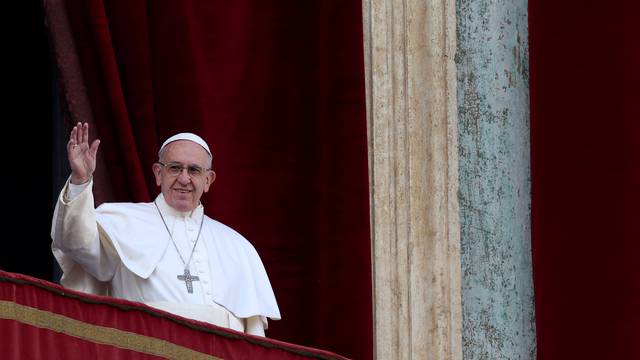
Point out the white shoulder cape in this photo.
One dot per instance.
(136, 233)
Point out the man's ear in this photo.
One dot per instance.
(156, 171)
(211, 177)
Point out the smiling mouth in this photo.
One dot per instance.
(182, 191)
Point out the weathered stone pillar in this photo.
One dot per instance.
(495, 203)
(412, 120)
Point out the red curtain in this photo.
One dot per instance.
(585, 124)
(277, 90)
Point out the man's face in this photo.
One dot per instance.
(182, 189)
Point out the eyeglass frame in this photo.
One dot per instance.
(189, 168)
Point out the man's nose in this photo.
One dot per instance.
(184, 177)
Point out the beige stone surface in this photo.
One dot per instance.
(412, 122)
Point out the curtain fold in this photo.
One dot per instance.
(277, 90)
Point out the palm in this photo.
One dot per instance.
(81, 160)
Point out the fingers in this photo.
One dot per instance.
(94, 147)
(79, 135)
(75, 136)
(72, 136)
(85, 133)
(79, 142)
(73, 143)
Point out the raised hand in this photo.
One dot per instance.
(82, 157)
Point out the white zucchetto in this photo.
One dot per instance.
(186, 136)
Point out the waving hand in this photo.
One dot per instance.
(82, 157)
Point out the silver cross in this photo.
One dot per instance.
(188, 280)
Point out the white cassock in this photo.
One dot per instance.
(124, 250)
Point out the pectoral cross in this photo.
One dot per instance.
(188, 280)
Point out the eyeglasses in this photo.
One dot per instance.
(175, 169)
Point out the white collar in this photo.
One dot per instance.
(167, 210)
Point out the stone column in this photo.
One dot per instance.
(412, 122)
(495, 203)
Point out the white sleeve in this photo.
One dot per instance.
(72, 190)
(74, 232)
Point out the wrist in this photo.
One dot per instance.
(79, 180)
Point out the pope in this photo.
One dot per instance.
(166, 253)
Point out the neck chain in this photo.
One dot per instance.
(187, 277)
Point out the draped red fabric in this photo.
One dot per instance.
(585, 124)
(277, 90)
(42, 320)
